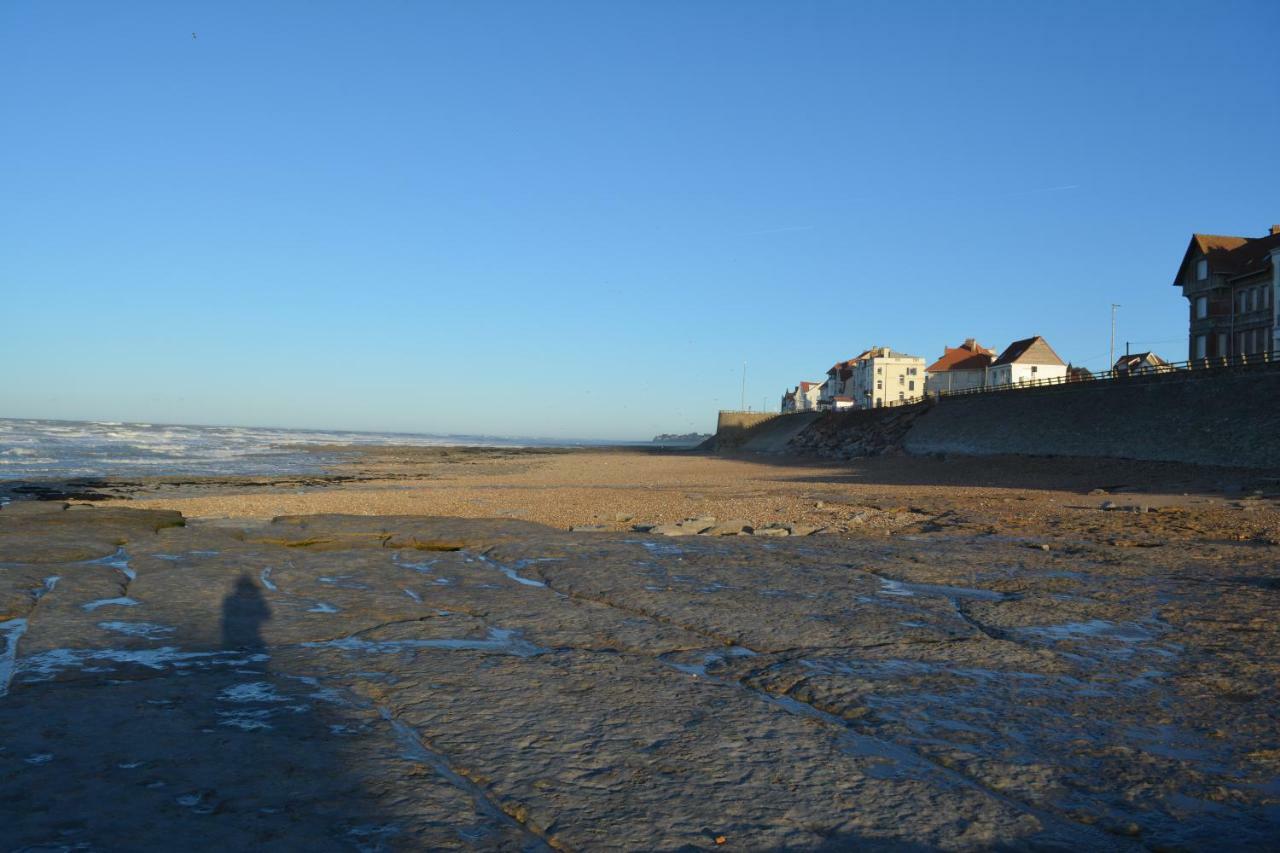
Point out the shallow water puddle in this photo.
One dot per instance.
(424, 567)
(118, 561)
(906, 589)
(253, 691)
(48, 587)
(513, 571)
(119, 601)
(342, 582)
(45, 666)
(147, 630)
(255, 719)
(699, 669)
(1124, 632)
(660, 549)
(11, 631)
(498, 640)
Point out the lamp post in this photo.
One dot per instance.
(1112, 364)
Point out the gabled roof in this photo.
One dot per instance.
(1231, 256)
(845, 368)
(1137, 359)
(970, 355)
(884, 352)
(1034, 350)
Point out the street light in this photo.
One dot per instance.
(1112, 363)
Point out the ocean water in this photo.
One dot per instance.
(36, 449)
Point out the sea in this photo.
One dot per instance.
(42, 449)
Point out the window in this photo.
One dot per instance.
(1202, 269)
(1244, 301)
(879, 385)
(911, 371)
(1241, 340)
(901, 379)
(879, 370)
(1201, 343)
(1202, 308)
(901, 397)
(1253, 298)
(911, 386)
(1222, 343)
(1035, 368)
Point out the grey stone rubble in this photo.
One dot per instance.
(708, 526)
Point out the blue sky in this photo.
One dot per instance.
(580, 219)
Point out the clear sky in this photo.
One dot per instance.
(580, 219)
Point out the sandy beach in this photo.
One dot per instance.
(618, 488)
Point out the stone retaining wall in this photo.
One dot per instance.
(1228, 417)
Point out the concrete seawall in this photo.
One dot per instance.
(1228, 417)
(1210, 418)
(732, 428)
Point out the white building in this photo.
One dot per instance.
(1024, 361)
(802, 398)
(837, 384)
(959, 369)
(883, 377)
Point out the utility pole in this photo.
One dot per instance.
(742, 406)
(1112, 364)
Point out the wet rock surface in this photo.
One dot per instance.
(345, 682)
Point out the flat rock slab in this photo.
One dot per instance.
(343, 682)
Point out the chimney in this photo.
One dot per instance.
(969, 343)
(1275, 229)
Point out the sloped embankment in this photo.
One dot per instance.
(847, 435)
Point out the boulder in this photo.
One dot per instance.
(733, 527)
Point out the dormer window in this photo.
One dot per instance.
(1202, 269)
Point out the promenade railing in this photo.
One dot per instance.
(1145, 372)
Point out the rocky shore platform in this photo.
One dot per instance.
(1100, 679)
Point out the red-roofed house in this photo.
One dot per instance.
(802, 398)
(1232, 285)
(960, 368)
(839, 382)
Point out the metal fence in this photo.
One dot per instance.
(1170, 369)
